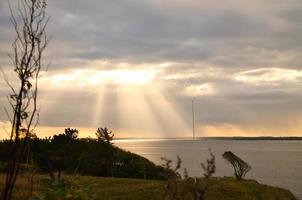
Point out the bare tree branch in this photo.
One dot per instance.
(27, 51)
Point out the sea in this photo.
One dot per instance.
(277, 163)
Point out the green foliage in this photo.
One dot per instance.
(64, 189)
(226, 188)
(229, 188)
(69, 154)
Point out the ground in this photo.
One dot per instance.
(134, 189)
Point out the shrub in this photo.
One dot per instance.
(187, 188)
(241, 168)
(63, 189)
(210, 167)
(105, 135)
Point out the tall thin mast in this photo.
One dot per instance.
(193, 120)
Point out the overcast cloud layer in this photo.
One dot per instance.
(241, 62)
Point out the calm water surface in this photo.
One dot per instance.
(277, 163)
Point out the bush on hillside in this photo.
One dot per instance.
(70, 189)
(241, 168)
(67, 153)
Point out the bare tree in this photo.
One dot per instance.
(241, 168)
(28, 47)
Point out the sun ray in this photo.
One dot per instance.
(135, 113)
(121, 99)
(99, 105)
(170, 116)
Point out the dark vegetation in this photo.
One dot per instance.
(209, 168)
(67, 153)
(241, 168)
(28, 46)
(24, 155)
(176, 187)
(84, 188)
(65, 156)
(185, 187)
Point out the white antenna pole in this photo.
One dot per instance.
(193, 120)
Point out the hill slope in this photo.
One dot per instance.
(136, 189)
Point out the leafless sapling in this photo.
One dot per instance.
(210, 167)
(28, 47)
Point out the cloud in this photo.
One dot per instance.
(5, 128)
(229, 130)
(96, 78)
(239, 60)
(273, 76)
(203, 89)
(221, 33)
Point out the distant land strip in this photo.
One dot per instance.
(219, 138)
(255, 138)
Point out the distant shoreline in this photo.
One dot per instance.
(259, 138)
(256, 138)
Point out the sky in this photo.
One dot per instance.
(135, 66)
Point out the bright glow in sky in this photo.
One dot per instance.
(269, 76)
(135, 66)
(93, 78)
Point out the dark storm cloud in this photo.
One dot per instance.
(146, 31)
(142, 30)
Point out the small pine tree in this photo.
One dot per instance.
(105, 135)
(70, 133)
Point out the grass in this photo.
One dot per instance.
(229, 189)
(134, 189)
(105, 188)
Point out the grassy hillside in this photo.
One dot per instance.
(136, 189)
(230, 189)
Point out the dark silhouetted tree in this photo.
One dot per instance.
(105, 135)
(71, 134)
(172, 176)
(65, 152)
(241, 168)
(28, 47)
(68, 135)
